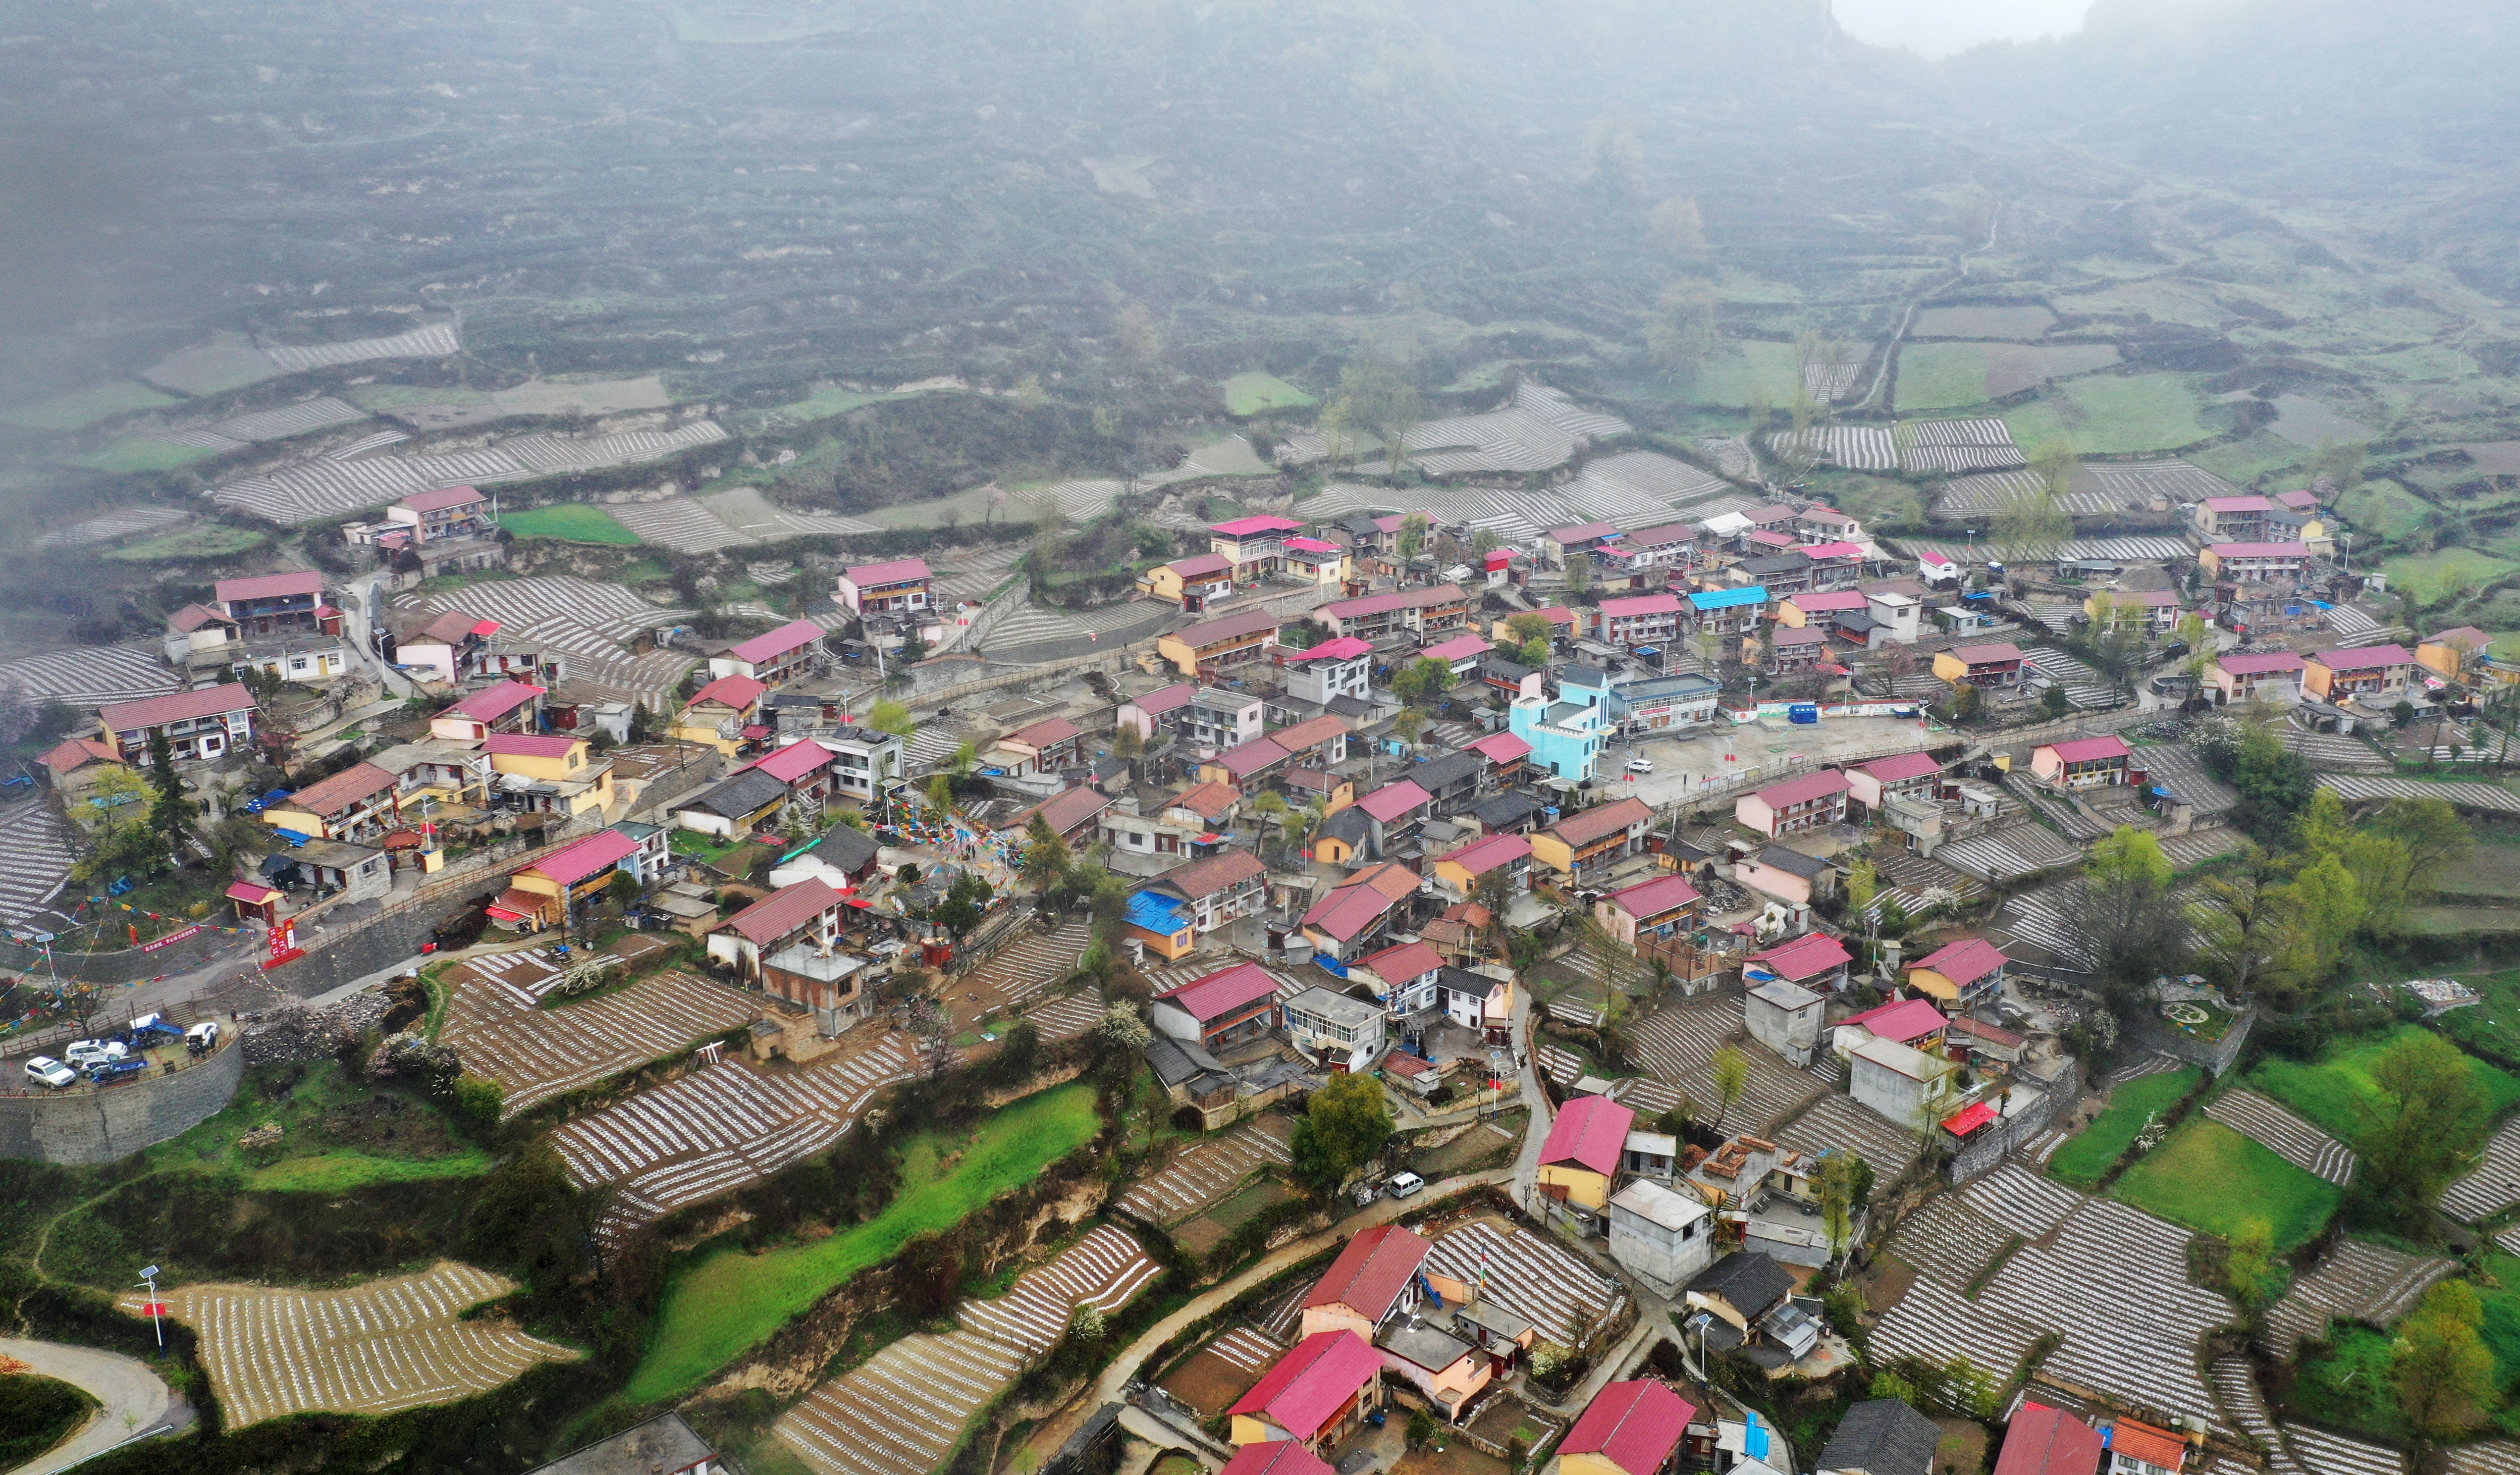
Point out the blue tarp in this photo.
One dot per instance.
(1729, 599)
(1158, 914)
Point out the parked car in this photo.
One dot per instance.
(149, 1026)
(203, 1037)
(83, 1053)
(1405, 1183)
(44, 1070)
(1641, 765)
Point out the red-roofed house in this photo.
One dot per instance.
(2232, 520)
(1373, 1278)
(1346, 921)
(1275, 1457)
(572, 874)
(1960, 973)
(2253, 561)
(510, 706)
(1630, 1428)
(2274, 674)
(1423, 611)
(1812, 610)
(890, 588)
(1509, 854)
(1221, 643)
(807, 910)
(1901, 775)
(1462, 653)
(276, 603)
(1314, 562)
(1580, 1161)
(1156, 710)
(2104, 762)
(718, 713)
(2140, 1449)
(551, 775)
(1661, 907)
(806, 768)
(1341, 667)
(1222, 889)
(72, 755)
(1644, 620)
(2044, 1441)
(1403, 977)
(1222, 1009)
(1042, 747)
(2373, 671)
(1913, 1022)
(355, 804)
(1993, 667)
(1256, 544)
(1813, 801)
(772, 658)
(449, 512)
(1315, 1396)
(1814, 961)
(1590, 840)
(1505, 754)
(201, 724)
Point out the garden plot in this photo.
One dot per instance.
(1562, 1066)
(1212, 1379)
(437, 341)
(1230, 456)
(555, 455)
(2324, 1454)
(2186, 852)
(970, 573)
(1987, 491)
(2176, 767)
(90, 676)
(757, 517)
(2496, 1182)
(1030, 632)
(1639, 484)
(370, 1349)
(1677, 1045)
(2085, 687)
(112, 525)
(1538, 429)
(679, 523)
(2361, 1282)
(375, 442)
(1838, 1123)
(1022, 966)
(2273, 1125)
(231, 361)
(1856, 448)
(905, 1410)
(1206, 1172)
(2149, 1065)
(2138, 482)
(1952, 1239)
(2333, 751)
(325, 487)
(2007, 854)
(2132, 549)
(2012, 368)
(1066, 1016)
(301, 418)
(2235, 1383)
(37, 854)
(1078, 501)
(2088, 1261)
(721, 1127)
(2358, 788)
(1532, 1275)
(2485, 1456)
(1958, 445)
(539, 1054)
(1831, 382)
(1919, 884)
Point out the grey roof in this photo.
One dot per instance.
(1505, 810)
(1883, 1437)
(1443, 772)
(1175, 1062)
(1783, 995)
(1783, 563)
(1749, 1282)
(1422, 1344)
(1355, 708)
(662, 1443)
(1786, 858)
(1653, 1202)
(1511, 670)
(1584, 676)
(1350, 825)
(740, 796)
(847, 848)
(1333, 1005)
(1463, 981)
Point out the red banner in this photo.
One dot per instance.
(170, 939)
(284, 944)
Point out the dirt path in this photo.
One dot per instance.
(134, 1399)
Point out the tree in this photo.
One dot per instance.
(1405, 410)
(1422, 1429)
(2326, 905)
(890, 716)
(1140, 337)
(1127, 741)
(169, 812)
(2054, 703)
(940, 795)
(1412, 540)
(1046, 858)
(1528, 627)
(2132, 928)
(1731, 1072)
(2435, 838)
(1681, 335)
(2249, 1263)
(2439, 1367)
(2275, 783)
(1271, 806)
(1421, 679)
(2029, 524)
(1838, 1206)
(1862, 885)
(126, 843)
(955, 914)
(1678, 227)
(914, 649)
(1345, 1126)
(2055, 464)
(2244, 915)
(1411, 722)
(622, 889)
(2424, 1127)
(1534, 653)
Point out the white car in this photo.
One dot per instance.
(202, 1036)
(1405, 1183)
(83, 1053)
(1641, 765)
(44, 1070)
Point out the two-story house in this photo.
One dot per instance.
(2369, 674)
(1222, 1009)
(2253, 561)
(549, 774)
(1992, 668)
(356, 804)
(1659, 703)
(1582, 846)
(201, 724)
(1963, 974)
(1256, 546)
(276, 603)
(1193, 583)
(1346, 922)
(1461, 870)
(775, 657)
(898, 586)
(864, 760)
(1402, 977)
(1311, 560)
(1201, 650)
(1644, 620)
(2270, 676)
(1813, 801)
(1341, 667)
(2231, 520)
(1566, 736)
(2101, 762)
(1659, 909)
(1218, 891)
(1823, 524)
(1416, 612)
(510, 706)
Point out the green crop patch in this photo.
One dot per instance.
(571, 522)
(2445, 572)
(2212, 1178)
(2332, 1092)
(1941, 375)
(139, 453)
(190, 543)
(726, 1305)
(1255, 392)
(82, 408)
(2087, 1154)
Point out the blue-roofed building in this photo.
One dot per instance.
(1164, 924)
(1566, 735)
(1728, 614)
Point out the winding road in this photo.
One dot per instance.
(134, 1399)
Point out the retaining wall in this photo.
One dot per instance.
(1988, 1147)
(88, 1125)
(2216, 1055)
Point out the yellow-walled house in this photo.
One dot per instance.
(718, 713)
(1580, 1162)
(556, 775)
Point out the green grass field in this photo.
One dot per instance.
(340, 1171)
(823, 405)
(1253, 392)
(1941, 375)
(731, 1301)
(2330, 1094)
(1740, 370)
(2433, 575)
(571, 521)
(2383, 506)
(82, 408)
(2085, 1156)
(2111, 414)
(190, 543)
(2212, 1178)
(1883, 504)
(2351, 1385)
(138, 453)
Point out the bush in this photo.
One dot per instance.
(478, 1101)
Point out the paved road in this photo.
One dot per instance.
(135, 1400)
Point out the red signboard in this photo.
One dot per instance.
(284, 944)
(170, 939)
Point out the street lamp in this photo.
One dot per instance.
(155, 1307)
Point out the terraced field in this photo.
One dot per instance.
(370, 1349)
(2358, 789)
(91, 676)
(325, 487)
(906, 1408)
(592, 623)
(122, 524)
(1206, 1172)
(1533, 1276)
(1676, 1046)
(537, 1053)
(37, 854)
(2496, 1182)
(2360, 1281)
(2273, 1125)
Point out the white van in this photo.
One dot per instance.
(202, 1036)
(1405, 1183)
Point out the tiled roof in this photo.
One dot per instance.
(2239, 503)
(192, 617)
(1590, 1131)
(1883, 1437)
(1827, 780)
(1312, 1382)
(1311, 733)
(1278, 1456)
(1987, 654)
(1794, 637)
(1252, 757)
(1634, 1425)
(1903, 766)
(73, 753)
(1393, 800)
(1458, 648)
(794, 761)
(1828, 602)
(2044, 1441)
(1345, 647)
(2364, 659)
(1209, 876)
(1256, 527)
(1641, 603)
(1162, 700)
(269, 586)
(1227, 628)
(1365, 899)
(1404, 598)
(1371, 1271)
(736, 692)
(1222, 993)
(441, 499)
(779, 642)
(1209, 801)
(177, 706)
(491, 703)
(1046, 733)
(1066, 810)
(1581, 829)
(1410, 960)
(896, 571)
(1806, 957)
(344, 789)
(1499, 748)
(1903, 1022)
(1202, 565)
(529, 745)
(2085, 749)
(598, 852)
(2260, 664)
(1654, 897)
(783, 912)
(1487, 853)
(2158, 1448)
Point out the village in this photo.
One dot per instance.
(1606, 991)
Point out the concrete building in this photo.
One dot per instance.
(1991, 667)
(1335, 1032)
(896, 587)
(1786, 1017)
(2372, 673)
(1814, 801)
(1225, 1009)
(2270, 676)
(1657, 910)
(1661, 1236)
(1589, 841)
(1341, 667)
(1315, 1395)
(773, 657)
(1566, 736)
(1201, 650)
(201, 724)
(1904, 1085)
(2102, 762)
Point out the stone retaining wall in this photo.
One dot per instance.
(89, 1125)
